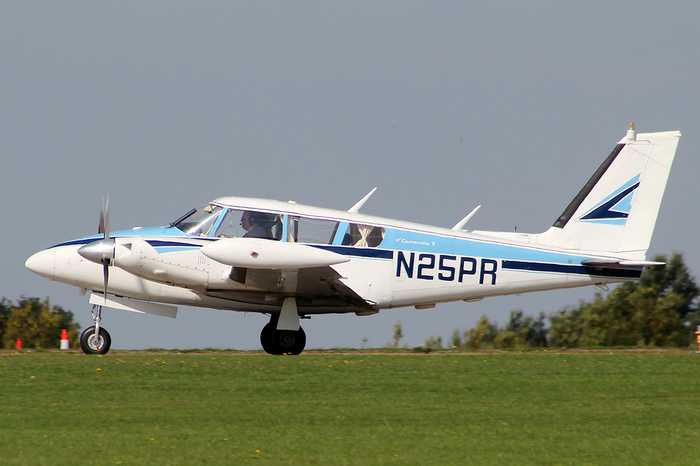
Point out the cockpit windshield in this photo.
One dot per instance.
(216, 221)
(200, 221)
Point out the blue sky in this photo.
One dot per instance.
(443, 106)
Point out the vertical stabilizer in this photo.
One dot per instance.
(616, 210)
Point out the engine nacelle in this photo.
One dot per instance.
(255, 253)
(182, 268)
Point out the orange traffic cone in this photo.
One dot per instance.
(65, 343)
(19, 343)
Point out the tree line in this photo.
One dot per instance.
(661, 309)
(39, 324)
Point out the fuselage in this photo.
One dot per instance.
(385, 263)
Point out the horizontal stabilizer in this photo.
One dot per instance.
(619, 264)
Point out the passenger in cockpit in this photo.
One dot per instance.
(253, 222)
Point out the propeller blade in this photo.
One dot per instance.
(105, 272)
(101, 227)
(107, 229)
(104, 218)
(101, 251)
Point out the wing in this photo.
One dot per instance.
(318, 290)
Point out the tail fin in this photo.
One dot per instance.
(616, 210)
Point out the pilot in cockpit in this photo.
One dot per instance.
(256, 225)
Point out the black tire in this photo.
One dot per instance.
(282, 341)
(266, 338)
(91, 345)
(289, 341)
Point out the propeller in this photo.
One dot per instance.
(104, 219)
(101, 251)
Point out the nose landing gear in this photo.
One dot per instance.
(95, 340)
(91, 344)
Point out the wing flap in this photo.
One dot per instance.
(318, 290)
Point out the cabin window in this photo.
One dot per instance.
(310, 230)
(199, 222)
(363, 236)
(250, 224)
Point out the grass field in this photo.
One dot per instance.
(350, 409)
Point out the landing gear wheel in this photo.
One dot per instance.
(266, 338)
(91, 344)
(289, 341)
(282, 341)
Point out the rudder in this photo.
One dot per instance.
(617, 208)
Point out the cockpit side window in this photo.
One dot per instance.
(200, 222)
(363, 236)
(311, 230)
(250, 224)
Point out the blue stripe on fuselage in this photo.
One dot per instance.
(149, 231)
(171, 232)
(510, 257)
(403, 240)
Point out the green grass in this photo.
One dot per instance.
(413, 408)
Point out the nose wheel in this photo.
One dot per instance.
(95, 340)
(91, 343)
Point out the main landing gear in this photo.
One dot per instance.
(279, 341)
(95, 340)
(283, 334)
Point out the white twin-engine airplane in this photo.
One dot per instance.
(293, 261)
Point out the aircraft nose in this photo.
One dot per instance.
(43, 263)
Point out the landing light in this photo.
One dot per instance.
(424, 306)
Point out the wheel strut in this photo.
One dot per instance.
(95, 340)
(96, 312)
